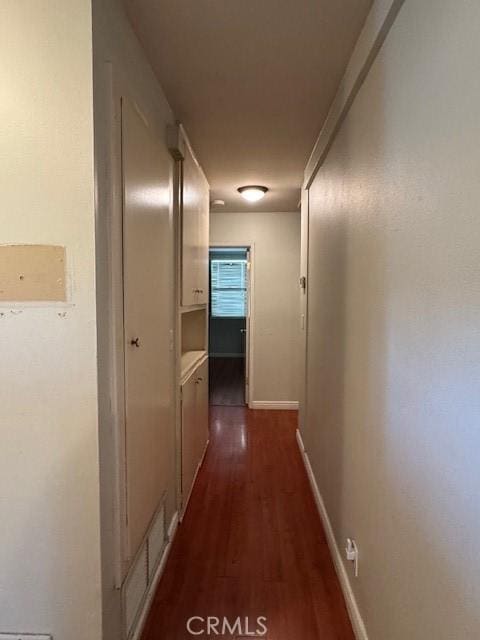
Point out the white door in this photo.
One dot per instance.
(148, 319)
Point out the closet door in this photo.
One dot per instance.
(148, 319)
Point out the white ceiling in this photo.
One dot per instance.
(252, 81)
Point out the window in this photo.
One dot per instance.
(228, 288)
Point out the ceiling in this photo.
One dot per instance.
(251, 81)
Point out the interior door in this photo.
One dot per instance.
(148, 319)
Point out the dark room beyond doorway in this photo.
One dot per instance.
(228, 325)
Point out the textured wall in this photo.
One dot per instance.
(49, 499)
(394, 341)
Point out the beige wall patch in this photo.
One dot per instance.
(32, 273)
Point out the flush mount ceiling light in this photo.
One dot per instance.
(252, 193)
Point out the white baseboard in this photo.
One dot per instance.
(291, 405)
(352, 606)
(156, 579)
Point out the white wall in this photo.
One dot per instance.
(394, 341)
(276, 324)
(49, 502)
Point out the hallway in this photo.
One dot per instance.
(251, 543)
(222, 221)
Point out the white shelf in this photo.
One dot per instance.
(189, 361)
(193, 307)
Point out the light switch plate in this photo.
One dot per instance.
(24, 636)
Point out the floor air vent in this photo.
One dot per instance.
(142, 572)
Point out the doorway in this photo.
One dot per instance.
(229, 325)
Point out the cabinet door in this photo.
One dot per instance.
(201, 378)
(195, 214)
(189, 436)
(203, 245)
(190, 209)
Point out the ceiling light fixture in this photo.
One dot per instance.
(252, 193)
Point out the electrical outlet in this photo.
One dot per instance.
(351, 553)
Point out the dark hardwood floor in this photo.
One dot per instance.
(251, 543)
(227, 381)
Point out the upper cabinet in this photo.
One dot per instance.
(194, 207)
(195, 203)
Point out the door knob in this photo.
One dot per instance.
(135, 342)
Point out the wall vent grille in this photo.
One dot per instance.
(142, 571)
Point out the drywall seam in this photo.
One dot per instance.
(352, 606)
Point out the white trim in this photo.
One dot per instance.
(291, 405)
(352, 606)
(377, 25)
(190, 369)
(142, 618)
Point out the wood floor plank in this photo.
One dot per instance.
(251, 543)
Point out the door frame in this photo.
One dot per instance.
(303, 312)
(249, 340)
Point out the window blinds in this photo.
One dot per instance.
(228, 288)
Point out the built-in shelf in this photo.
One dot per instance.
(193, 307)
(189, 361)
